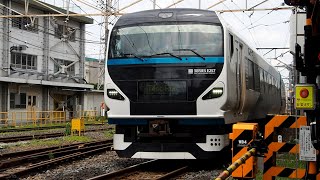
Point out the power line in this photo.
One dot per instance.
(79, 39)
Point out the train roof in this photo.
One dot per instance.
(168, 15)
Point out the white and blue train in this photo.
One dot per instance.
(177, 79)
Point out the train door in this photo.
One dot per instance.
(241, 80)
(238, 78)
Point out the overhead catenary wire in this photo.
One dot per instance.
(174, 3)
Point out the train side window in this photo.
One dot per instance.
(250, 77)
(265, 81)
(256, 78)
(231, 46)
(261, 79)
(270, 82)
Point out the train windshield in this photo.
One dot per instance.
(167, 40)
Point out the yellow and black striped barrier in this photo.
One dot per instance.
(226, 173)
(242, 135)
(270, 169)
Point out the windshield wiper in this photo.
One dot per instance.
(167, 54)
(129, 55)
(192, 50)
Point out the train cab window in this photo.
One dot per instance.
(166, 39)
(231, 46)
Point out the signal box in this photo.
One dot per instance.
(305, 97)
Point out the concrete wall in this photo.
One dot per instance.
(93, 100)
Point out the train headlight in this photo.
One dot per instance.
(214, 93)
(114, 94)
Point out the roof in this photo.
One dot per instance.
(91, 59)
(33, 4)
(174, 15)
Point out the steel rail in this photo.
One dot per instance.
(23, 171)
(174, 173)
(58, 152)
(4, 130)
(42, 150)
(41, 136)
(133, 170)
(121, 172)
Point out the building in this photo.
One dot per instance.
(94, 99)
(42, 59)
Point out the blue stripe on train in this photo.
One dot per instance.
(134, 121)
(169, 60)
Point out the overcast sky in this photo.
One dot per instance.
(259, 28)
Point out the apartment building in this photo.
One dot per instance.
(42, 59)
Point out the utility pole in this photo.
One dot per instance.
(199, 4)
(106, 35)
(154, 4)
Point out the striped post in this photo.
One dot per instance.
(226, 173)
(270, 169)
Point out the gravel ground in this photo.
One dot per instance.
(104, 163)
(201, 175)
(86, 168)
(90, 166)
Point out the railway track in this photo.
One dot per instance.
(40, 136)
(154, 169)
(5, 130)
(29, 161)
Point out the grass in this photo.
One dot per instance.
(34, 126)
(289, 160)
(97, 120)
(284, 160)
(52, 142)
(76, 138)
(109, 133)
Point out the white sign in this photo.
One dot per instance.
(307, 151)
(201, 71)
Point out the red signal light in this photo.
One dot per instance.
(304, 93)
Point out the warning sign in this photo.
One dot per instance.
(305, 97)
(307, 151)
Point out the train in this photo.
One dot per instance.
(177, 79)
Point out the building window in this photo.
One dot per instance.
(61, 30)
(25, 23)
(32, 100)
(18, 101)
(70, 70)
(23, 61)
